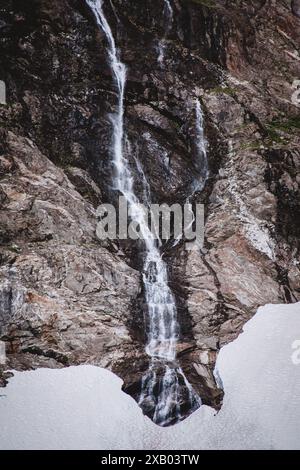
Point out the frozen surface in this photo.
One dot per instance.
(73, 408)
(84, 408)
(261, 379)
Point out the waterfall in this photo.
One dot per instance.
(201, 163)
(164, 384)
(201, 144)
(168, 20)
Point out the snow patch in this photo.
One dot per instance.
(84, 408)
(258, 234)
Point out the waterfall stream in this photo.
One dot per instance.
(164, 388)
(168, 20)
(202, 166)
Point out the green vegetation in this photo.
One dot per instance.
(275, 128)
(257, 145)
(273, 134)
(14, 249)
(285, 126)
(226, 90)
(206, 3)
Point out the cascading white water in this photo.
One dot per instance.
(168, 20)
(202, 163)
(162, 383)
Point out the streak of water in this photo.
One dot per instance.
(201, 164)
(168, 20)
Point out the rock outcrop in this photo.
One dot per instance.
(67, 298)
(64, 299)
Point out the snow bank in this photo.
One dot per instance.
(74, 408)
(84, 408)
(261, 379)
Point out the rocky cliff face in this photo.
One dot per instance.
(67, 298)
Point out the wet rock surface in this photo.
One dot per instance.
(65, 297)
